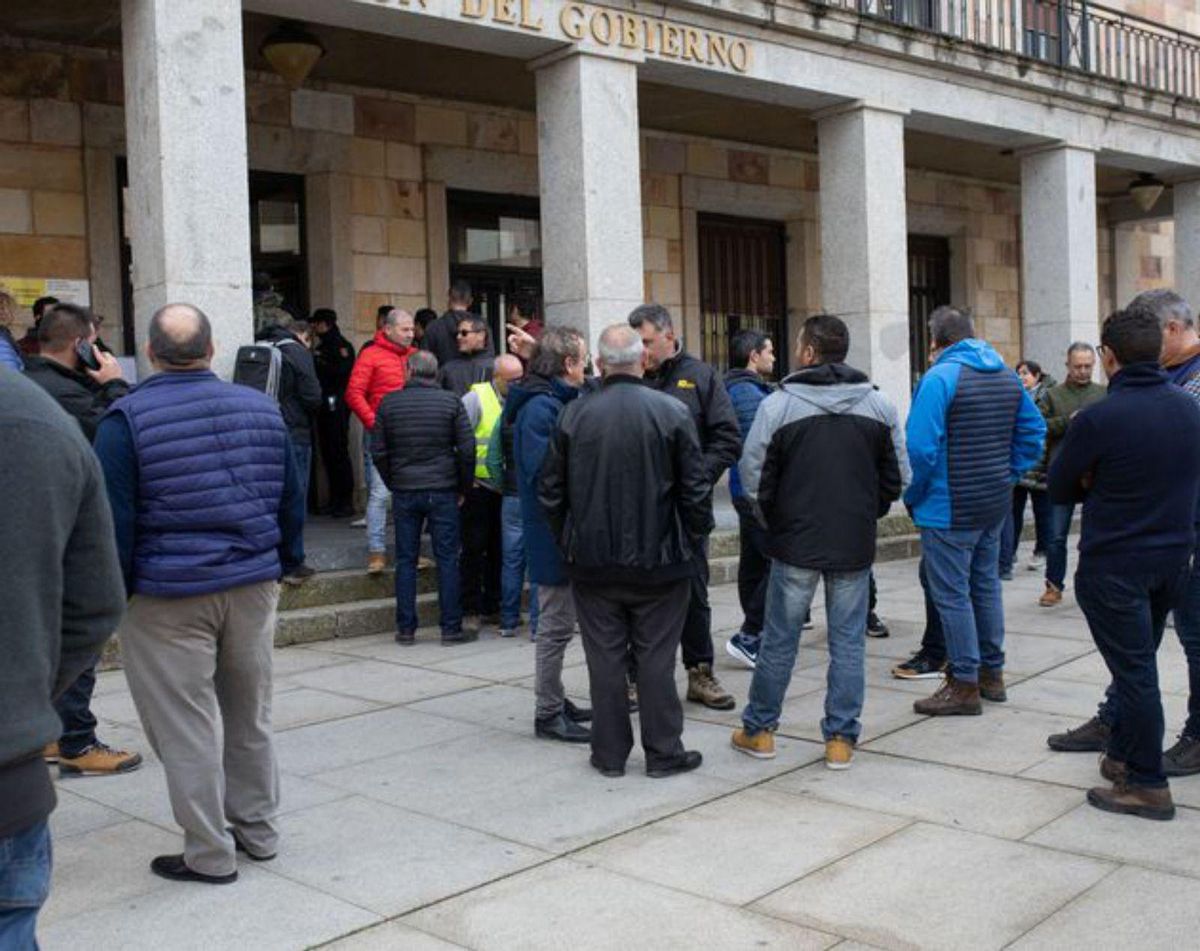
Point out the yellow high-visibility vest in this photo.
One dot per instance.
(489, 415)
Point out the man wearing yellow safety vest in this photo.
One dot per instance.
(481, 546)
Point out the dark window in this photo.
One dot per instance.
(928, 287)
(743, 284)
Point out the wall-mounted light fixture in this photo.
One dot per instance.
(292, 52)
(1146, 191)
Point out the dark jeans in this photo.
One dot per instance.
(481, 552)
(1015, 524)
(1056, 543)
(293, 557)
(646, 622)
(1126, 615)
(333, 436)
(754, 568)
(75, 710)
(24, 885)
(411, 511)
(697, 639)
(933, 641)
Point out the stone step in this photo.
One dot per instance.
(347, 619)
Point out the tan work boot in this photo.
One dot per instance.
(991, 685)
(99, 760)
(704, 688)
(760, 745)
(376, 563)
(1134, 801)
(1051, 597)
(954, 698)
(839, 752)
(50, 754)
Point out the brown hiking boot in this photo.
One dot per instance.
(1051, 597)
(704, 688)
(99, 760)
(991, 685)
(1113, 769)
(376, 563)
(954, 698)
(1092, 737)
(760, 745)
(1138, 801)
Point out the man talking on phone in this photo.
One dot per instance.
(84, 381)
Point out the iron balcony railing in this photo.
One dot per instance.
(1071, 34)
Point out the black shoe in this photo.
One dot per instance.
(298, 575)
(1092, 737)
(459, 637)
(876, 627)
(920, 667)
(685, 762)
(240, 846)
(610, 771)
(561, 729)
(1183, 759)
(576, 714)
(174, 868)
(406, 637)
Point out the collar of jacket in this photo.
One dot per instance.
(745, 375)
(827, 374)
(1138, 374)
(381, 340)
(669, 364)
(617, 378)
(76, 376)
(1190, 354)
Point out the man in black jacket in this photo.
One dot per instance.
(441, 336)
(697, 386)
(299, 398)
(823, 461)
(626, 495)
(63, 331)
(424, 450)
(63, 597)
(474, 361)
(333, 357)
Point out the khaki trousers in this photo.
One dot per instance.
(199, 670)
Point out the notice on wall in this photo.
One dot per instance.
(28, 289)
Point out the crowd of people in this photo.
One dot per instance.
(171, 510)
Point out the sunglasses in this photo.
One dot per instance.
(467, 333)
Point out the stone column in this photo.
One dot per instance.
(189, 206)
(591, 199)
(1187, 242)
(1127, 264)
(1059, 280)
(864, 240)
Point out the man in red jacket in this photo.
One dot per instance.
(380, 369)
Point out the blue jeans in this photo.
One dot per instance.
(789, 595)
(1056, 543)
(75, 711)
(411, 510)
(294, 556)
(25, 861)
(962, 568)
(512, 572)
(377, 496)
(1126, 615)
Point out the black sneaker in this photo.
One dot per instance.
(1183, 759)
(406, 637)
(876, 627)
(562, 729)
(920, 666)
(298, 575)
(174, 868)
(459, 637)
(1092, 737)
(685, 762)
(576, 714)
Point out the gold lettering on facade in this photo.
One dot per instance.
(670, 40)
(602, 27)
(528, 20)
(506, 11)
(629, 30)
(475, 9)
(739, 55)
(571, 20)
(718, 51)
(691, 44)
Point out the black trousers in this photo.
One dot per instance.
(333, 438)
(697, 639)
(933, 641)
(480, 562)
(646, 622)
(754, 568)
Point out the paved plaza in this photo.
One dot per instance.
(420, 812)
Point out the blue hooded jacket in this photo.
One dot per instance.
(746, 390)
(534, 405)
(972, 433)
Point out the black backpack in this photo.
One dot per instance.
(260, 366)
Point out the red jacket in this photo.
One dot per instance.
(380, 368)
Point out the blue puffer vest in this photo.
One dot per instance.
(210, 481)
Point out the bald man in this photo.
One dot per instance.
(202, 559)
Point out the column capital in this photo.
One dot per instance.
(632, 57)
(858, 105)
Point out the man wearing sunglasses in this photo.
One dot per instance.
(474, 361)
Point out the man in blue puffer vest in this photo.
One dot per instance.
(203, 483)
(972, 433)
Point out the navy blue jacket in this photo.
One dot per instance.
(1133, 460)
(746, 390)
(202, 481)
(533, 406)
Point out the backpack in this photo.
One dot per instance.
(260, 366)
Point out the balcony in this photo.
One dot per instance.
(1072, 35)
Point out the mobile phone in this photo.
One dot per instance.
(87, 355)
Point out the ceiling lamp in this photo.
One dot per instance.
(1145, 191)
(292, 52)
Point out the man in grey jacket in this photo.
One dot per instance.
(62, 599)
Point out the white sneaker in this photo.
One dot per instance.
(1036, 563)
(359, 522)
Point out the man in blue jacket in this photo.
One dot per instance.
(972, 432)
(556, 374)
(203, 485)
(1133, 459)
(751, 359)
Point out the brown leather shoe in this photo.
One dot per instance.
(99, 760)
(991, 685)
(1113, 769)
(1138, 801)
(376, 563)
(1051, 597)
(954, 698)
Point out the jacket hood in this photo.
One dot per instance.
(381, 340)
(974, 353)
(831, 387)
(536, 385)
(745, 375)
(274, 333)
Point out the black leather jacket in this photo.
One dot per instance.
(422, 441)
(624, 486)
